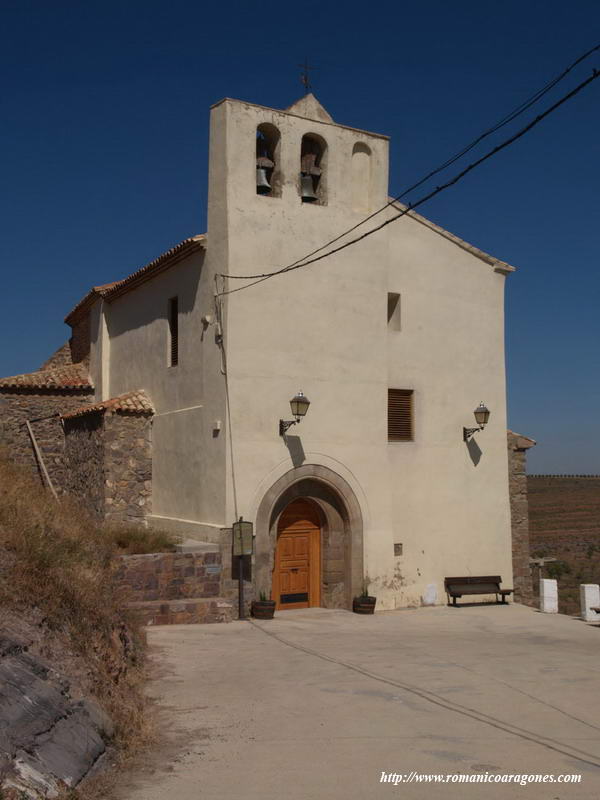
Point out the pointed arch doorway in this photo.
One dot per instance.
(297, 568)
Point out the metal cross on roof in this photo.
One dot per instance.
(305, 76)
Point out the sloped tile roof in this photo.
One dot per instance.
(110, 291)
(68, 377)
(90, 298)
(164, 261)
(522, 442)
(129, 403)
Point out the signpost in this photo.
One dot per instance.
(242, 543)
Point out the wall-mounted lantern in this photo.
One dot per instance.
(299, 405)
(482, 416)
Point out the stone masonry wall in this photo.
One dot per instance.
(110, 464)
(169, 576)
(80, 340)
(61, 358)
(517, 457)
(174, 588)
(128, 467)
(336, 560)
(84, 453)
(18, 406)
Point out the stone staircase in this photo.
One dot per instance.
(178, 588)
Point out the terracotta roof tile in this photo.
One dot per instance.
(163, 262)
(90, 298)
(74, 376)
(117, 288)
(129, 403)
(522, 442)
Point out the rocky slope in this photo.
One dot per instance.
(70, 653)
(50, 737)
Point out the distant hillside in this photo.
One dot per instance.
(564, 523)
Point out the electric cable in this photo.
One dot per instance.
(504, 121)
(307, 260)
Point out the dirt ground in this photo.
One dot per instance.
(564, 523)
(318, 703)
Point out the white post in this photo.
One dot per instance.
(430, 596)
(548, 596)
(589, 595)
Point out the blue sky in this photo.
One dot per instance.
(104, 109)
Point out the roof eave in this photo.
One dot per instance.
(111, 291)
(67, 379)
(499, 266)
(82, 307)
(522, 442)
(299, 116)
(154, 268)
(136, 403)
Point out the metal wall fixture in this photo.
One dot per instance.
(482, 416)
(299, 405)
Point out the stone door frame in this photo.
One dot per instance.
(342, 531)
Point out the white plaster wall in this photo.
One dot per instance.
(323, 329)
(319, 329)
(450, 501)
(188, 455)
(99, 351)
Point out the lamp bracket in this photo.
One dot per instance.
(469, 432)
(284, 424)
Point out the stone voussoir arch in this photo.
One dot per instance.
(342, 530)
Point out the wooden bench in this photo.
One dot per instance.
(477, 584)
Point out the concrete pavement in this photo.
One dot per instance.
(318, 703)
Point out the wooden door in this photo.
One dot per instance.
(297, 570)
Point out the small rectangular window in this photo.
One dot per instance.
(173, 331)
(400, 415)
(394, 311)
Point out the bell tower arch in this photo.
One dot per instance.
(299, 155)
(274, 332)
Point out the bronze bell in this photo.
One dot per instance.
(307, 190)
(262, 184)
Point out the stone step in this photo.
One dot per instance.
(187, 611)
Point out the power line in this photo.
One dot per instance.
(504, 121)
(306, 261)
(500, 124)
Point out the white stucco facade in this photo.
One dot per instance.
(323, 329)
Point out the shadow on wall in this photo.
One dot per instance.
(474, 451)
(150, 302)
(294, 445)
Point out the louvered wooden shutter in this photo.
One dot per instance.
(400, 415)
(174, 331)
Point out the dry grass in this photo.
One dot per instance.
(56, 565)
(132, 540)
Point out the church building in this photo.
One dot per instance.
(170, 406)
